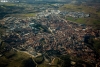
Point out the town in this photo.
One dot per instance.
(48, 33)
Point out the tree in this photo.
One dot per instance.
(29, 63)
(97, 46)
(66, 61)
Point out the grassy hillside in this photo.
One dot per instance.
(16, 59)
(16, 9)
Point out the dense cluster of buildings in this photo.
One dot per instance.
(75, 14)
(64, 37)
(63, 13)
(47, 13)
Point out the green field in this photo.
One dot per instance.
(78, 20)
(24, 15)
(94, 14)
(81, 8)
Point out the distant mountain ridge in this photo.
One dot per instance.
(49, 0)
